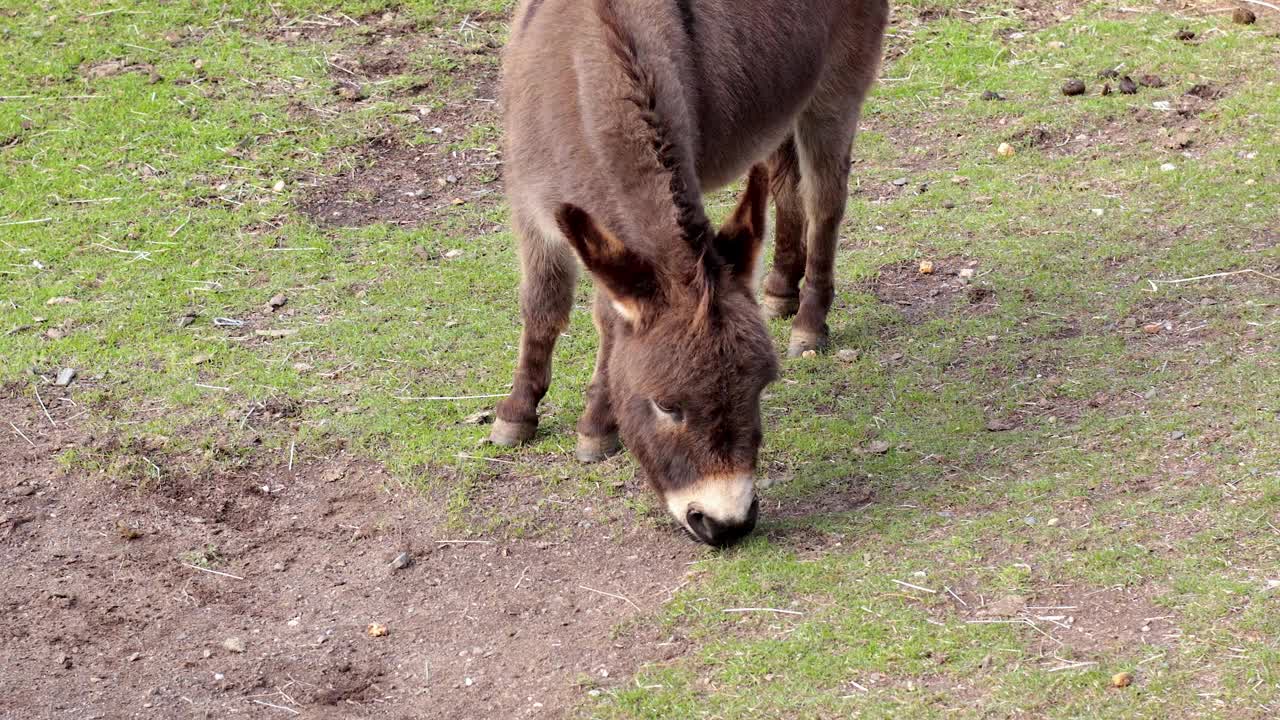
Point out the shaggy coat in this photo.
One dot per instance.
(619, 115)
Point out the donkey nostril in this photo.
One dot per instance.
(695, 518)
(713, 532)
(698, 525)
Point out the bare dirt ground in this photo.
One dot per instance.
(111, 608)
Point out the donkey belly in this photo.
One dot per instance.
(758, 64)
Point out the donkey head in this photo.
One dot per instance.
(689, 360)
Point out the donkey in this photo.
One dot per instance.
(619, 114)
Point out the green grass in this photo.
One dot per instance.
(157, 199)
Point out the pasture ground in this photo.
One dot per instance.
(262, 234)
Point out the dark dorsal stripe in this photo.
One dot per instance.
(533, 10)
(689, 22)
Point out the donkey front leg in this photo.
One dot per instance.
(598, 427)
(824, 141)
(548, 275)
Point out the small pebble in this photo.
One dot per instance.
(65, 376)
(899, 182)
(279, 186)
(278, 300)
(877, 447)
(1122, 679)
(377, 630)
(847, 355)
(992, 95)
(1005, 150)
(926, 267)
(234, 644)
(402, 561)
(1243, 16)
(1053, 522)
(809, 354)
(351, 92)
(1168, 167)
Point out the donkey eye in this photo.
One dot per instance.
(673, 412)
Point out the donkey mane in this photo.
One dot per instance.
(656, 130)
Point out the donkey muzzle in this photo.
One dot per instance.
(717, 510)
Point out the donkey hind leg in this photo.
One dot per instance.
(598, 427)
(548, 275)
(782, 284)
(824, 138)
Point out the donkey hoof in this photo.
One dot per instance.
(776, 307)
(511, 434)
(595, 449)
(802, 342)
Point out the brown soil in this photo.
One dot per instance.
(393, 182)
(104, 617)
(389, 180)
(1078, 623)
(920, 296)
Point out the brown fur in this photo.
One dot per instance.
(619, 114)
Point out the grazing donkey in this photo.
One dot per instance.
(619, 115)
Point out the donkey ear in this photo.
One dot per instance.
(629, 278)
(741, 237)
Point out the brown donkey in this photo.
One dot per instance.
(619, 115)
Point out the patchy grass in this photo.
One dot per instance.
(1082, 466)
